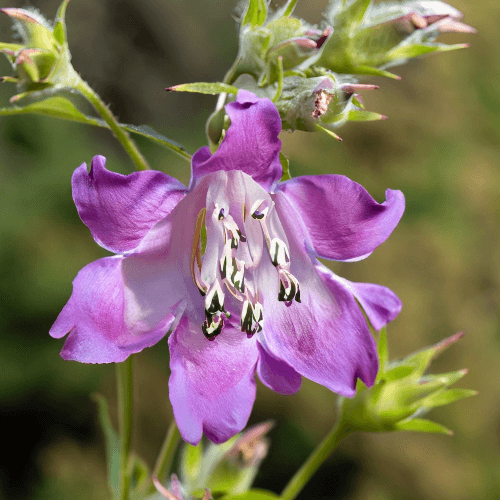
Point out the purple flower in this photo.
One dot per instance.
(230, 266)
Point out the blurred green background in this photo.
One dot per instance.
(440, 146)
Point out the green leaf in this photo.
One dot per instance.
(57, 107)
(255, 14)
(147, 131)
(204, 88)
(423, 425)
(60, 107)
(112, 445)
(252, 495)
(285, 165)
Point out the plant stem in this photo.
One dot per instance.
(124, 386)
(318, 456)
(123, 136)
(167, 453)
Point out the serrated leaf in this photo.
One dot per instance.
(285, 165)
(422, 425)
(60, 107)
(112, 445)
(204, 88)
(446, 397)
(255, 14)
(252, 495)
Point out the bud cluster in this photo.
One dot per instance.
(41, 63)
(312, 74)
(402, 394)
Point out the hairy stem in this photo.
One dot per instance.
(123, 136)
(318, 456)
(124, 386)
(167, 453)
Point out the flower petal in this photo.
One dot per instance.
(343, 221)
(212, 383)
(380, 304)
(120, 209)
(325, 337)
(95, 317)
(276, 374)
(251, 143)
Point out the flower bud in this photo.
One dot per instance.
(321, 103)
(229, 468)
(266, 36)
(402, 393)
(42, 62)
(367, 37)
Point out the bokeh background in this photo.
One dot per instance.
(440, 146)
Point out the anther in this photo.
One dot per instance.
(279, 252)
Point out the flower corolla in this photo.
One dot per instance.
(230, 267)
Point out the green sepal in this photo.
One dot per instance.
(416, 50)
(60, 24)
(255, 14)
(285, 165)
(446, 397)
(204, 88)
(288, 8)
(422, 425)
(214, 128)
(228, 468)
(112, 445)
(140, 478)
(422, 359)
(402, 394)
(11, 47)
(191, 461)
(360, 115)
(254, 494)
(60, 107)
(347, 15)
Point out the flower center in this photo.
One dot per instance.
(230, 266)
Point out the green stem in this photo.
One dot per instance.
(167, 453)
(318, 456)
(124, 138)
(124, 386)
